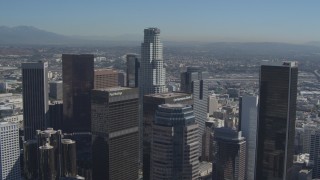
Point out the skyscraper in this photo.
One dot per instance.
(55, 114)
(153, 73)
(150, 105)
(35, 97)
(208, 143)
(276, 125)
(115, 133)
(315, 153)
(248, 125)
(230, 158)
(78, 73)
(56, 91)
(133, 66)
(9, 151)
(174, 150)
(122, 78)
(194, 81)
(104, 78)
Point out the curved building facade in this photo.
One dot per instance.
(175, 145)
(68, 158)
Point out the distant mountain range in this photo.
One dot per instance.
(28, 35)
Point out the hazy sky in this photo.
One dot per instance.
(205, 20)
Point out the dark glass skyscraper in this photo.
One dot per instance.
(35, 97)
(276, 125)
(132, 70)
(78, 73)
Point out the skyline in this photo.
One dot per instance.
(272, 21)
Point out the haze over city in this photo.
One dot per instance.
(226, 21)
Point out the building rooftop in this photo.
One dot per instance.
(284, 63)
(112, 89)
(173, 106)
(168, 95)
(106, 71)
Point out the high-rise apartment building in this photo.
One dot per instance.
(153, 73)
(150, 105)
(133, 66)
(9, 151)
(194, 81)
(174, 150)
(230, 156)
(78, 77)
(248, 122)
(115, 133)
(35, 97)
(104, 78)
(276, 125)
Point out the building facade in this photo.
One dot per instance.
(208, 143)
(78, 76)
(35, 97)
(276, 125)
(230, 157)
(56, 90)
(248, 120)
(174, 151)
(133, 66)
(104, 78)
(55, 114)
(115, 133)
(315, 153)
(9, 151)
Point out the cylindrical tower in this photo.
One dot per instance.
(47, 169)
(68, 158)
(30, 166)
(53, 137)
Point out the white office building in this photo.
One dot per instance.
(153, 74)
(9, 151)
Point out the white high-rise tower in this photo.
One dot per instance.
(153, 74)
(9, 151)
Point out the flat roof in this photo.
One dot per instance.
(111, 89)
(168, 95)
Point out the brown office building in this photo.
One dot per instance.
(115, 133)
(150, 105)
(77, 71)
(104, 78)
